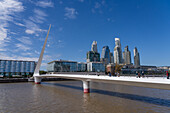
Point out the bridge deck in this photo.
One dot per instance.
(151, 82)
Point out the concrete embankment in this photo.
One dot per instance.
(13, 80)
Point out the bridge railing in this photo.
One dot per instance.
(134, 75)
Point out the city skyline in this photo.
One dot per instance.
(24, 26)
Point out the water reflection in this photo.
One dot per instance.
(86, 102)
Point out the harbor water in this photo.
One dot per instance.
(68, 97)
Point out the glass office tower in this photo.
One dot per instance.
(62, 66)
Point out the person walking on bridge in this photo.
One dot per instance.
(109, 74)
(143, 74)
(167, 74)
(139, 74)
(136, 74)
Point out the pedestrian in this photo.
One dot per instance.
(167, 74)
(143, 74)
(139, 74)
(118, 74)
(136, 74)
(109, 74)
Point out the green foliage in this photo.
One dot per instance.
(42, 72)
(118, 68)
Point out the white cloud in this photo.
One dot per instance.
(59, 41)
(22, 47)
(3, 49)
(37, 52)
(98, 6)
(19, 24)
(39, 12)
(28, 31)
(32, 28)
(8, 9)
(13, 33)
(45, 4)
(15, 57)
(3, 32)
(25, 40)
(27, 54)
(39, 16)
(70, 13)
(51, 58)
(31, 25)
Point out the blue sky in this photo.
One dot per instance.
(76, 23)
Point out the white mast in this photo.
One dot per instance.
(37, 69)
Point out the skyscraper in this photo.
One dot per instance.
(118, 52)
(94, 46)
(105, 56)
(136, 58)
(127, 56)
(111, 57)
(93, 55)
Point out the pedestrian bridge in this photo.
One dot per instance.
(160, 83)
(150, 82)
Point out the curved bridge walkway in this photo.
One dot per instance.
(150, 82)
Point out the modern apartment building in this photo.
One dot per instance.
(17, 67)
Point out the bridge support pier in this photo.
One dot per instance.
(37, 80)
(86, 86)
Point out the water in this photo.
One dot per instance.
(68, 97)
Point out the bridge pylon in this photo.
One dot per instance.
(37, 78)
(86, 86)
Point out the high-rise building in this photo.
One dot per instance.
(93, 55)
(94, 46)
(105, 56)
(136, 58)
(127, 56)
(111, 57)
(118, 52)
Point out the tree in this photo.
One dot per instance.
(42, 72)
(118, 68)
